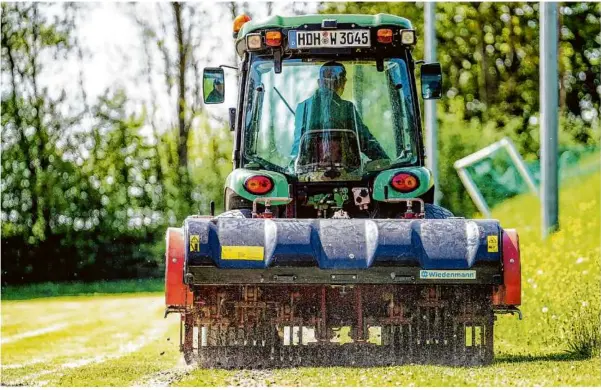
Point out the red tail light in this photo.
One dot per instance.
(385, 35)
(404, 182)
(258, 185)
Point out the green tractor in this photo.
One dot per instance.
(330, 250)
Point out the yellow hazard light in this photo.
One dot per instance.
(239, 22)
(385, 35)
(273, 38)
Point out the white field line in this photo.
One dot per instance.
(124, 350)
(21, 365)
(72, 310)
(34, 333)
(53, 328)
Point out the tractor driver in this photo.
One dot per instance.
(216, 95)
(327, 110)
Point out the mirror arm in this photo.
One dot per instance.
(228, 66)
(417, 62)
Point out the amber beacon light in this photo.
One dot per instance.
(239, 22)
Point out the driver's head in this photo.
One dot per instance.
(332, 75)
(218, 85)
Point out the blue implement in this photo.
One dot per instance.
(240, 243)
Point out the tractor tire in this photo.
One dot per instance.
(237, 213)
(436, 212)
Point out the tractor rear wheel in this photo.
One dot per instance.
(436, 212)
(237, 213)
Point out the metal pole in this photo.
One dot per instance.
(430, 105)
(549, 91)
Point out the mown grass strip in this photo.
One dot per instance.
(544, 371)
(56, 289)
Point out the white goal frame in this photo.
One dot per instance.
(461, 166)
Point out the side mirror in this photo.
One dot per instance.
(431, 81)
(213, 85)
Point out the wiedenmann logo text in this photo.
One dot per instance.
(447, 274)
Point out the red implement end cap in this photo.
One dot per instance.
(512, 270)
(176, 292)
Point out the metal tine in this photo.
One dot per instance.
(411, 340)
(482, 342)
(455, 338)
(428, 327)
(400, 340)
(419, 320)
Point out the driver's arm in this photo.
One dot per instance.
(369, 144)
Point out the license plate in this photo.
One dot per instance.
(337, 38)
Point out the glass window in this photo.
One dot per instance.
(315, 115)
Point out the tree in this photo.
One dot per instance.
(80, 199)
(32, 120)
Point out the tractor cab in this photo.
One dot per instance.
(326, 104)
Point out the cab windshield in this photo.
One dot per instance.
(323, 120)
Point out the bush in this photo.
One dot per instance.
(581, 329)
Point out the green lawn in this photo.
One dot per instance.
(122, 339)
(50, 289)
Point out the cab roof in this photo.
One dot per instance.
(277, 21)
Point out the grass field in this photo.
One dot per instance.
(123, 339)
(49, 289)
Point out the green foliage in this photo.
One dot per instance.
(459, 138)
(109, 212)
(581, 329)
(489, 56)
(210, 150)
(87, 196)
